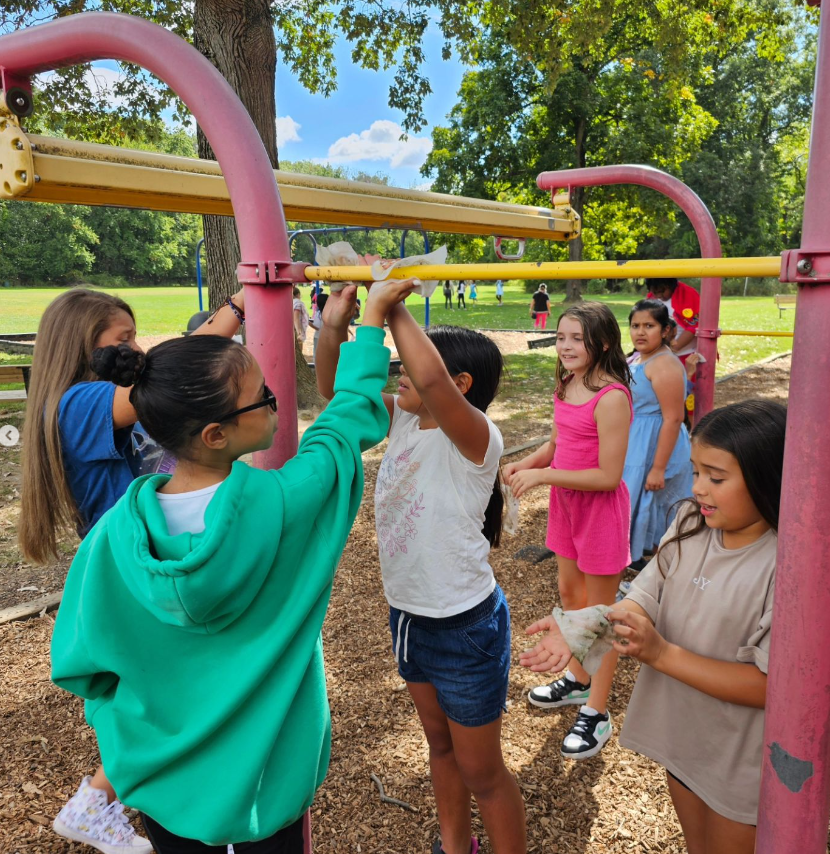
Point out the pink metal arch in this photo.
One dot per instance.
(795, 789)
(239, 149)
(697, 212)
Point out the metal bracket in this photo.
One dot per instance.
(17, 167)
(803, 267)
(271, 272)
(708, 333)
(15, 94)
(505, 256)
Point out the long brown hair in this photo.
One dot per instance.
(603, 343)
(67, 335)
(753, 432)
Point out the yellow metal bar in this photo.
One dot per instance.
(90, 174)
(682, 267)
(759, 334)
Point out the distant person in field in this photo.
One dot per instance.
(540, 307)
(447, 295)
(300, 316)
(500, 292)
(462, 287)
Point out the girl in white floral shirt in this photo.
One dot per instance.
(438, 507)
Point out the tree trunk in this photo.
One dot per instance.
(573, 287)
(237, 36)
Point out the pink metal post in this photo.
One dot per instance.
(795, 788)
(256, 202)
(690, 203)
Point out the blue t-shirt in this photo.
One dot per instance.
(99, 460)
(499, 288)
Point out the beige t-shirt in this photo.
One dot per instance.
(715, 602)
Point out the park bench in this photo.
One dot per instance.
(783, 302)
(14, 374)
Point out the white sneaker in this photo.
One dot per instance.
(88, 818)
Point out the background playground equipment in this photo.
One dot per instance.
(795, 790)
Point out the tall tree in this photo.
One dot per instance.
(572, 83)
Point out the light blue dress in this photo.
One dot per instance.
(652, 512)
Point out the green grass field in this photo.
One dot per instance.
(162, 311)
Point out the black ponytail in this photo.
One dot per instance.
(178, 385)
(464, 350)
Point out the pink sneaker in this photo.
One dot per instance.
(88, 818)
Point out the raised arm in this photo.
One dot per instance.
(669, 383)
(442, 395)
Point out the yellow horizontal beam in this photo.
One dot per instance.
(682, 267)
(89, 174)
(757, 333)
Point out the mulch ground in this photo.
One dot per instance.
(617, 802)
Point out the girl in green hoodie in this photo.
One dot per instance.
(191, 617)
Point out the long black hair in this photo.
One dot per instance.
(467, 351)
(178, 385)
(603, 342)
(752, 431)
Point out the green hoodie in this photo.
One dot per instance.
(200, 656)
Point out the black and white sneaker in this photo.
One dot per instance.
(587, 736)
(563, 692)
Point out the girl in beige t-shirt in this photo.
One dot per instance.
(698, 618)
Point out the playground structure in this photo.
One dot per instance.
(795, 792)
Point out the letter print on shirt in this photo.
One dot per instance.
(399, 503)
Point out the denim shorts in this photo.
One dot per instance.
(466, 657)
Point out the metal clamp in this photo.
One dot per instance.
(708, 333)
(804, 267)
(271, 272)
(17, 168)
(503, 255)
(15, 94)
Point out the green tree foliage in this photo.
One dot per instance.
(570, 83)
(384, 34)
(65, 243)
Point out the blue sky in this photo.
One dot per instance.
(355, 127)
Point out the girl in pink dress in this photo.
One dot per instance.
(588, 522)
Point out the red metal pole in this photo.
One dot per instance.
(239, 149)
(690, 203)
(795, 787)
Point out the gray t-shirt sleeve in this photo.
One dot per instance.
(757, 646)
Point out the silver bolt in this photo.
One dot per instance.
(37, 179)
(19, 145)
(23, 177)
(804, 266)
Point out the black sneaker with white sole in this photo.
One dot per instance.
(563, 692)
(587, 736)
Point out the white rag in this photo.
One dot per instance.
(588, 634)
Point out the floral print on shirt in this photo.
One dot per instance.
(399, 504)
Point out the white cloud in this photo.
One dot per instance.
(100, 80)
(287, 130)
(381, 142)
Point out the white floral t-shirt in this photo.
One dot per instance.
(429, 512)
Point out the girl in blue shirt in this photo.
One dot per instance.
(78, 460)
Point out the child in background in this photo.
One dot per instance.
(657, 470)
(588, 524)
(473, 292)
(460, 290)
(205, 686)
(448, 618)
(78, 460)
(500, 291)
(447, 295)
(300, 316)
(698, 617)
(540, 307)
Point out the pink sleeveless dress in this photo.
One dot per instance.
(591, 528)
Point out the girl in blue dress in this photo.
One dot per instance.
(658, 471)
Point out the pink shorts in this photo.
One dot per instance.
(591, 528)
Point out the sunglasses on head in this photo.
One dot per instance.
(268, 399)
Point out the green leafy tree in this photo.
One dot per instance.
(571, 83)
